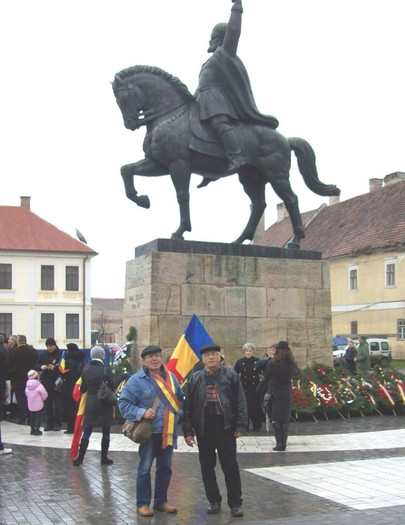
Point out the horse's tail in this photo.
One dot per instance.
(307, 166)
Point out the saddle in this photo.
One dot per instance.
(202, 137)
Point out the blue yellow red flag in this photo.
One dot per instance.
(187, 351)
(77, 434)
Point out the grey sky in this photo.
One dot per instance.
(330, 71)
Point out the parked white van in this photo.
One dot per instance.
(380, 352)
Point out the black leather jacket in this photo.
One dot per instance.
(231, 396)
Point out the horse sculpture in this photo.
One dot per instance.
(148, 96)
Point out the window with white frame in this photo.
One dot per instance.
(72, 326)
(47, 278)
(47, 326)
(353, 278)
(401, 329)
(72, 278)
(390, 273)
(5, 276)
(6, 323)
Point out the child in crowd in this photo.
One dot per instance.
(36, 395)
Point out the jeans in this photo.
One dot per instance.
(35, 419)
(224, 442)
(148, 452)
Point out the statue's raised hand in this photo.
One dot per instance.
(238, 4)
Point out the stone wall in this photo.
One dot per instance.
(239, 293)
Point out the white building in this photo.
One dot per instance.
(44, 280)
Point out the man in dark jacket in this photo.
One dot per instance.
(216, 412)
(20, 360)
(48, 364)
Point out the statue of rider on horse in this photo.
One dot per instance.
(216, 133)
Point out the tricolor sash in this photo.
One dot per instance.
(165, 390)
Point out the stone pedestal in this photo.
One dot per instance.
(240, 293)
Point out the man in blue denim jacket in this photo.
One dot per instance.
(136, 402)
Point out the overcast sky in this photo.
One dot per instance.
(331, 71)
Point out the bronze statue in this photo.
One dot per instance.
(224, 95)
(214, 134)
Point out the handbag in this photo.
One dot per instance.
(104, 393)
(139, 431)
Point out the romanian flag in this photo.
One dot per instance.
(187, 352)
(62, 363)
(165, 390)
(77, 434)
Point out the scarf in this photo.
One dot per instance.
(165, 390)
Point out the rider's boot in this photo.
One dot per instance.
(232, 148)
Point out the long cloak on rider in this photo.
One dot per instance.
(234, 79)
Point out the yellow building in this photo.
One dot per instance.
(363, 239)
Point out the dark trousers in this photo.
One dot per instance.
(70, 410)
(35, 419)
(254, 415)
(22, 405)
(53, 408)
(224, 442)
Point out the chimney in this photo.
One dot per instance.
(334, 199)
(282, 212)
(375, 184)
(25, 202)
(392, 178)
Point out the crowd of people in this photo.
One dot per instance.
(219, 405)
(35, 386)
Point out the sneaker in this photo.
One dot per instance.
(5, 451)
(237, 512)
(214, 507)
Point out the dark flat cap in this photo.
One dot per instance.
(151, 349)
(210, 348)
(282, 344)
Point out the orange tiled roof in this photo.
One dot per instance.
(22, 230)
(375, 220)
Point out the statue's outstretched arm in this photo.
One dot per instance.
(233, 30)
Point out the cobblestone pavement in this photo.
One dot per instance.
(334, 472)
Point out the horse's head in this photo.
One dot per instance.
(130, 101)
(145, 92)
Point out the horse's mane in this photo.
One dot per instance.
(121, 78)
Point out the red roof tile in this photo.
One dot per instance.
(22, 230)
(375, 220)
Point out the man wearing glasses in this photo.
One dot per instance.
(216, 412)
(154, 386)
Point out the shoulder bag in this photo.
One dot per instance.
(104, 393)
(139, 431)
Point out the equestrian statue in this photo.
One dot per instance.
(215, 133)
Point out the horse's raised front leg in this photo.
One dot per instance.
(255, 190)
(180, 172)
(147, 168)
